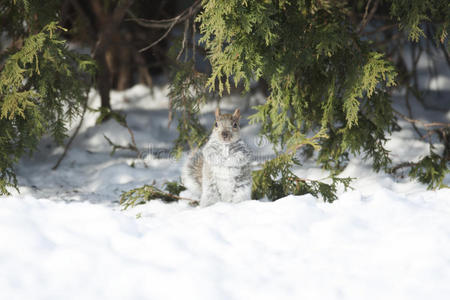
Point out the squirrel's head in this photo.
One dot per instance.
(226, 128)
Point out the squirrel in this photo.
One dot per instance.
(220, 170)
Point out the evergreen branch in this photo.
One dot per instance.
(142, 195)
(41, 88)
(276, 180)
(187, 93)
(299, 140)
(430, 170)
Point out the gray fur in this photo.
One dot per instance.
(220, 171)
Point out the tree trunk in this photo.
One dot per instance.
(108, 28)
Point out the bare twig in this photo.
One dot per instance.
(366, 11)
(444, 51)
(426, 125)
(430, 133)
(83, 14)
(401, 166)
(170, 115)
(396, 37)
(166, 23)
(66, 148)
(193, 41)
(191, 201)
(160, 39)
(117, 146)
(379, 29)
(108, 26)
(414, 61)
(408, 106)
(368, 15)
(131, 146)
(121, 10)
(184, 42)
(144, 75)
(429, 127)
(133, 142)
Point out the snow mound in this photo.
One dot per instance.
(378, 247)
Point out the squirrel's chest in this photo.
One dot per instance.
(226, 164)
(226, 178)
(225, 173)
(226, 168)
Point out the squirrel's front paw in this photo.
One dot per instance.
(209, 199)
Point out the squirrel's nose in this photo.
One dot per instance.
(225, 134)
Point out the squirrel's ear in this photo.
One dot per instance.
(237, 114)
(217, 112)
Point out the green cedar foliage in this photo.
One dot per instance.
(148, 192)
(426, 24)
(430, 170)
(411, 14)
(276, 180)
(322, 79)
(42, 87)
(187, 93)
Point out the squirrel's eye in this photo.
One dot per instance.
(234, 125)
(215, 124)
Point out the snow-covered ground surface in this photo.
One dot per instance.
(65, 236)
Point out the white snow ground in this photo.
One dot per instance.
(65, 237)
